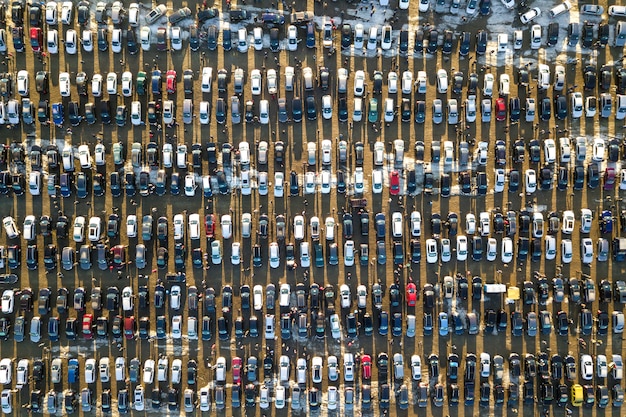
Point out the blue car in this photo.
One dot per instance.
(58, 114)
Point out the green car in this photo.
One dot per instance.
(372, 115)
(141, 83)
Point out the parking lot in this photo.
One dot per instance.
(428, 200)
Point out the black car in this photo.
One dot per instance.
(465, 43)
(433, 39)
(311, 110)
(346, 35)
(546, 109)
(418, 41)
(587, 40)
(481, 42)
(553, 33)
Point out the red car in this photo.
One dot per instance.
(171, 82)
(88, 326)
(36, 39)
(609, 178)
(366, 367)
(394, 183)
(119, 256)
(236, 367)
(129, 327)
(209, 225)
(411, 294)
(500, 110)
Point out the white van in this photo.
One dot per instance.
(560, 9)
(269, 327)
(264, 112)
(620, 107)
(207, 79)
(305, 256)
(244, 153)
(530, 109)
(242, 40)
(503, 42)
(357, 115)
(372, 39)
(389, 110)
(518, 39)
(34, 182)
(135, 113)
(410, 325)
(283, 365)
(335, 330)
(192, 328)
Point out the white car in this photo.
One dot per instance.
(500, 178)
(145, 35)
(179, 227)
(377, 181)
(292, 38)
(586, 220)
(530, 15)
(392, 82)
(488, 82)
(566, 251)
(162, 367)
(507, 250)
(344, 294)
(105, 374)
(272, 81)
(543, 77)
(298, 227)
(148, 371)
(586, 250)
(386, 39)
(424, 5)
(279, 179)
(599, 149)
(485, 365)
(52, 41)
(8, 301)
(461, 248)
(255, 82)
(290, 76)
(492, 249)
(446, 250)
(96, 85)
(617, 11)
(329, 228)
(176, 371)
(586, 367)
(470, 224)
(274, 255)
(6, 371)
(549, 150)
(422, 82)
(396, 224)
(111, 83)
(64, 84)
(361, 296)
(90, 371)
(309, 183)
(176, 38)
(531, 181)
(226, 223)
(442, 81)
(602, 368)
(333, 368)
(484, 223)
(550, 247)
(327, 107)
(305, 257)
(257, 34)
(22, 83)
(432, 255)
(535, 37)
(138, 398)
(127, 84)
(568, 222)
(470, 109)
(359, 83)
(416, 223)
(95, 224)
(505, 85)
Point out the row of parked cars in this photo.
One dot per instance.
(545, 373)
